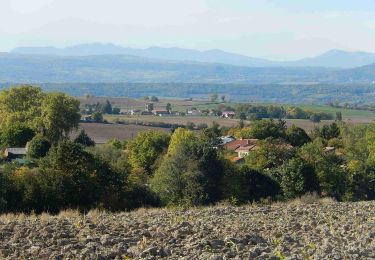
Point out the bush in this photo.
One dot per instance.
(38, 147)
(248, 185)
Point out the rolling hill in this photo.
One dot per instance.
(330, 59)
(28, 68)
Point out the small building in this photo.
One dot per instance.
(135, 112)
(14, 153)
(146, 113)
(228, 114)
(194, 112)
(160, 112)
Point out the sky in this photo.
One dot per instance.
(275, 29)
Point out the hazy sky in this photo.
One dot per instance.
(283, 29)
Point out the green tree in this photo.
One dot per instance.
(145, 149)
(116, 111)
(154, 99)
(190, 176)
(168, 107)
(38, 147)
(21, 105)
(247, 185)
(315, 118)
(332, 177)
(73, 178)
(107, 107)
(84, 139)
(298, 178)
(271, 153)
(97, 117)
(213, 97)
(296, 136)
(338, 116)
(60, 115)
(262, 129)
(16, 135)
(330, 131)
(180, 135)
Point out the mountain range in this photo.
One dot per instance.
(329, 59)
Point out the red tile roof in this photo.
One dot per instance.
(234, 145)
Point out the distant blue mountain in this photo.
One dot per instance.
(337, 59)
(330, 59)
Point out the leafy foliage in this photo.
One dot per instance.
(146, 148)
(38, 147)
(298, 178)
(84, 139)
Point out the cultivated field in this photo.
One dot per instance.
(322, 230)
(101, 133)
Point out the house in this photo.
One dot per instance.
(241, 146)
(235, 144)
(124, 111)
(135, 112)
(228, 114)
(244, 151)
(160, 112)
(194, 112)
(14, 153)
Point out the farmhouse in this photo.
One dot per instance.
(160, 112)
(228, 114)
(235, 144)
(14, 153)
(135, 112)
(194, 112)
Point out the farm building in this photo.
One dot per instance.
(228, 114)
(14, 153)
(160, 112)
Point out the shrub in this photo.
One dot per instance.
(38, 147)
(247, 185)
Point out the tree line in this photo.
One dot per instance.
(183, 168)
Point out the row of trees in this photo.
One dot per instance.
(98, 107)
(254, 112)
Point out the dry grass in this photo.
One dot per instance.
(95, 214)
